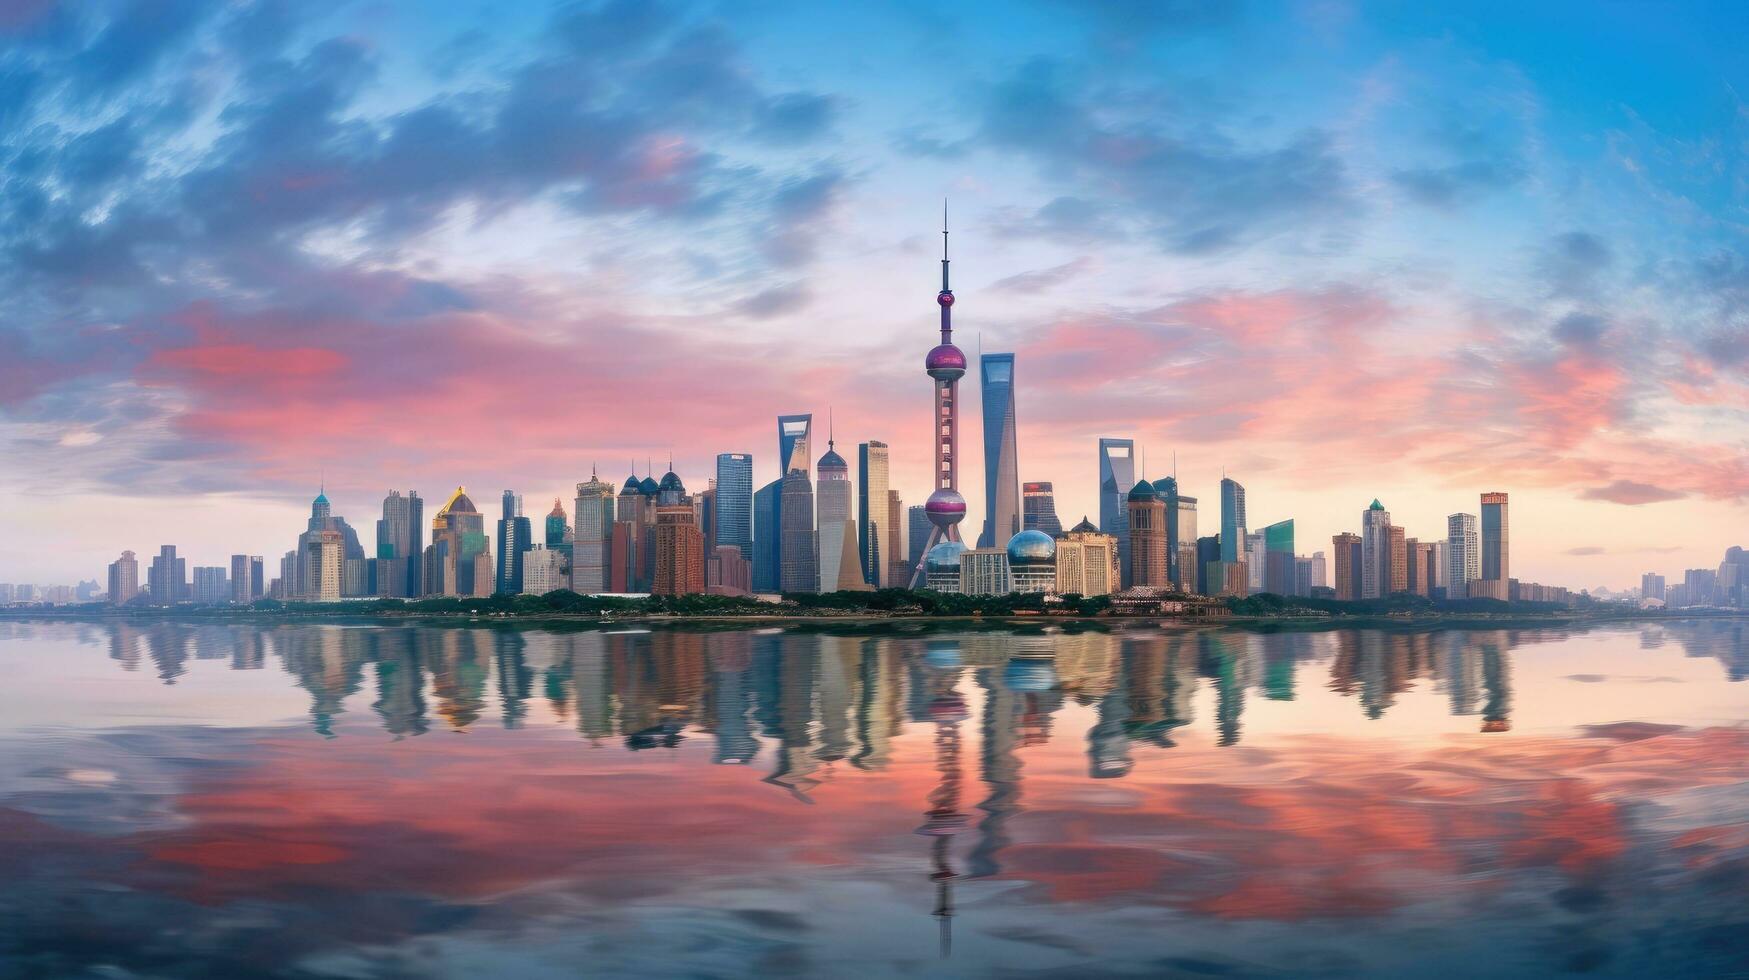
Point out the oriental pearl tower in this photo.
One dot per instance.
(946, 364)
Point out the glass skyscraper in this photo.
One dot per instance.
(733, 519)
(1278, 551)
(1117, 476)
(1233, 524)
(1038, 509)
(1001, 462)
(873, 487)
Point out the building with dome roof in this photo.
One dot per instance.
(322, 519)
(679, 560)
(1375, 551)
(1146, 513)
(941, 566)
(1087, 561)
(835, 528)
(1032, 562)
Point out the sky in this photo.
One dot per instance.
(1335, 250)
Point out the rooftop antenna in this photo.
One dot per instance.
(1174, 466)
(831, 429)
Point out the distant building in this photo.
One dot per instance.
(124, 578)
(1209, 576)
(1117, 474)
(984, 571)
(1087, 561)
(1349, 561)
(1496, 570)
(211, 587)
(1233, 522)
(515, 538)
(401, 539)
(452, 565)
(1032, 562)
(727, 572)
(1651, 585)
(168, 578)
(1463, 553)
(1038, 509)
(595, 509)
(322, 518)
(941, 566)
(1146, 519)
(245, 573)
(768, 537)
(917, 529)
(1001, 452)
(1256, 558)
(1278, 558)
(873, 526)
(558, 530)
(839, 568)
(544, 570)
(1399, 560)
(734, 503)
(893, 535)
(800, 569)
(1375, 547)
(322, 560)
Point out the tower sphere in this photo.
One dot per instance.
(945, 362)
(945, 508)
(945, 297)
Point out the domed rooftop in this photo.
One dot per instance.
(945, 361)
(459, 503)
(1031, 547)
(649, 487)
(944, 557)
(671, 482)
(321, 498)
(1376, 505)
(558, 509)
(631, 485)
(831, 460)
(1085, 527)
(1144, 491)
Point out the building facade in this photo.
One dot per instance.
(873, 499)
(1495, 579)
(1146, 519)
(1086, 561)
(1001, 451)
(1375, 547)
(124, 578)
(1278, 559)
(543, 570)
(733, 523)
(1463, 553)
(1038, 509)
(1347, 558)
(1117, 474)
(984, 571)
(800, 569)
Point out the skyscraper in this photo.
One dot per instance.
(1463, 552)
(680, 549)
(401, 539)
(768, 537)
(1496, 570)
(322, 518)
(1399, 561)
(873, 490)
(1087, 561)
(917, 529)
(458, 562)
(515, 536)
(733, 519)
(799, 571)
(245, 575)
(168, 577)
(592, 535)
(322, 556)
(1278, 569)
(1001, 463)
(1347, 551)
(1038, 509)
(124, 578)
(1117, 474)
(210, 585)
(893, 537)
(945, 365)
(1147, 530)
(793, 433)
(1234, 526)
(1375, 551)
(834, 525)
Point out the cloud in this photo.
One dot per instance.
(1631, 493)
(1571, 265)
(1459, 183)
(1586, 551)
(1039, 280)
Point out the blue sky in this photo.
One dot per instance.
(1340, 250)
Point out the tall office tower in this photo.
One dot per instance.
(873, 524)
(515, 537)
(1233, 524)
(893, 535)
(1398, 561)
(1375, 551)
(558, 530)
(1496, 572)
(1441, 565)
(1421, 565)
(1463, 550)
(833, 525)
(1278, 558)
(793, 434)
(210, 585)
(1117, 474)
(768, 537)
(1001, 454)
(458, 542)
(1346, 552)
(1411, 580)
(1146, 520)
(1087, 561)
(124, 578)
(1209, 573)
(1320, 572)
(1038, 509)
(543, 570)
(239, 580)
(917, 529)
(799, 571)
(704, 510)
(592, 536)
(734, 504)
(1180, 534)
(323, 560)
(680, 550)
(1651, 584)
(168, 577)
(945, 365)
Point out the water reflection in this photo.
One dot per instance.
(826, 699)
(1057, 792)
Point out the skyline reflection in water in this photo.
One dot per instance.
(800, 801)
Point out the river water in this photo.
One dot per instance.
(890, 800)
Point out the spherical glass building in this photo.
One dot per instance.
(941, 566)
(1032, 562)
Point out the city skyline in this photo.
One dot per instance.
(1535, 278)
